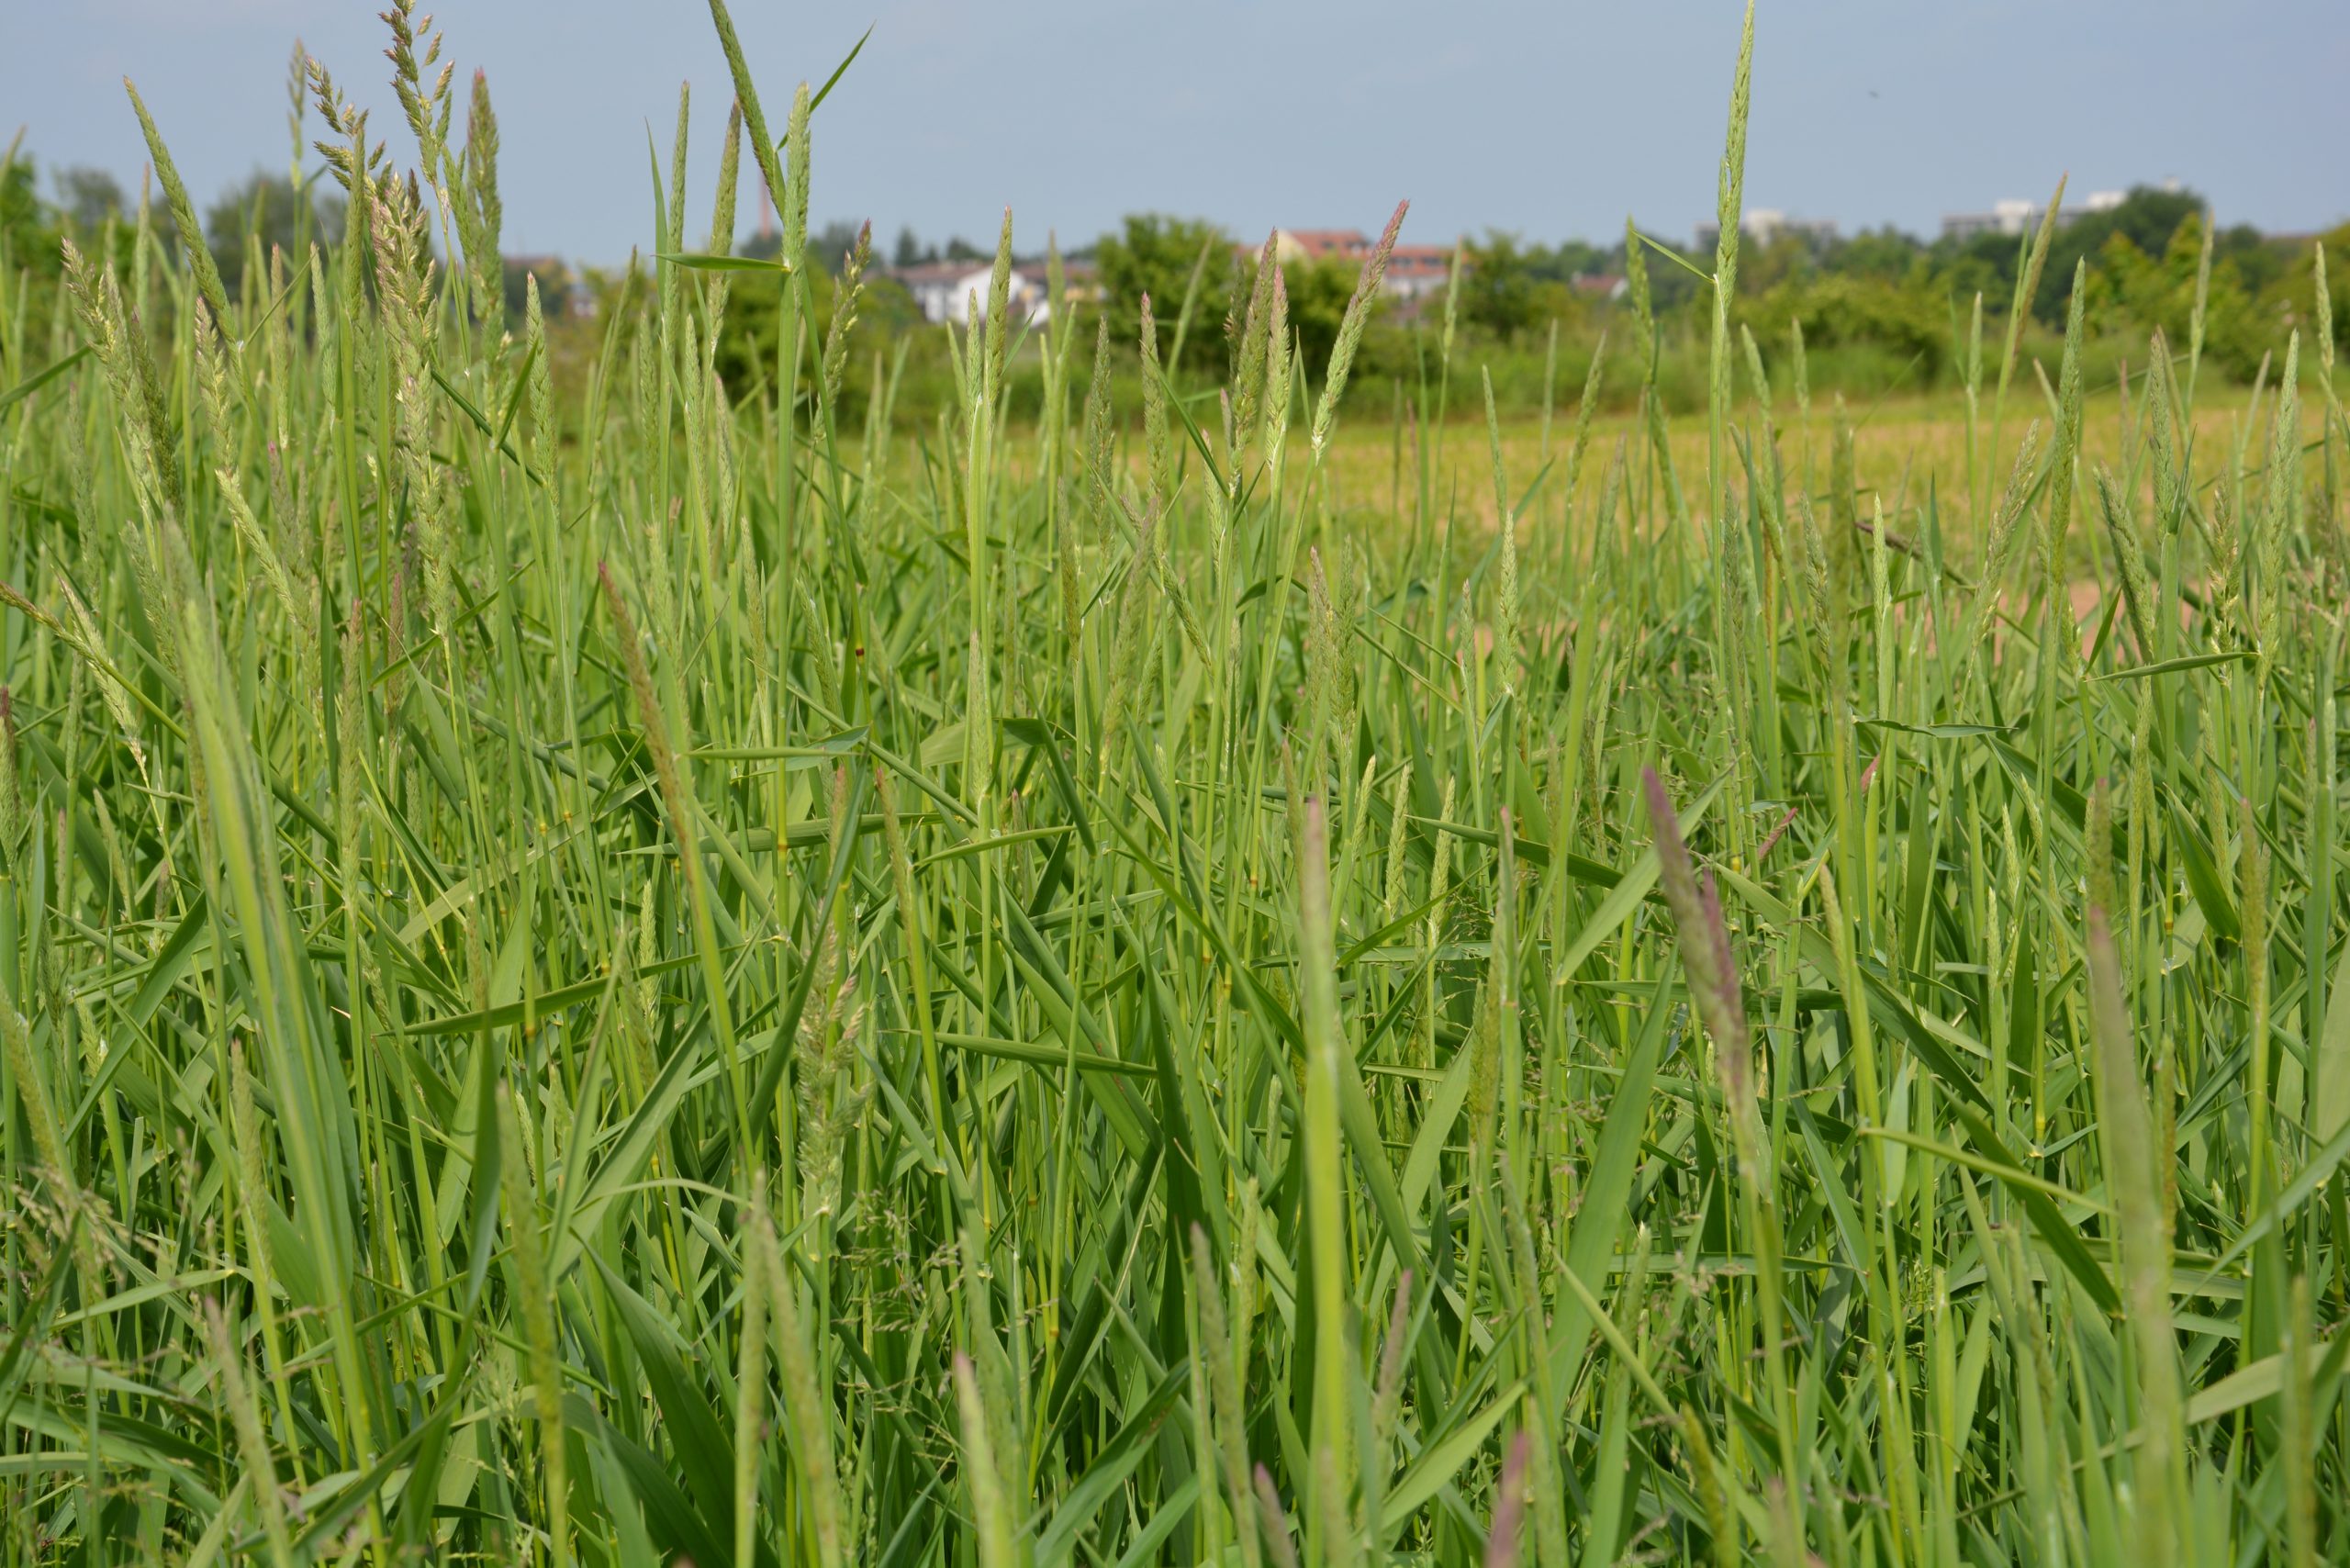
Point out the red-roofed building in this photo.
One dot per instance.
(1313, 244)
(1413, 270)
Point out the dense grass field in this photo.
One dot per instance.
(675, 975)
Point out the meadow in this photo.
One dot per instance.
(677, 972)
(1382, 471)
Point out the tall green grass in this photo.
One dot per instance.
(688, 972)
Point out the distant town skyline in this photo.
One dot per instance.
(1551, 122)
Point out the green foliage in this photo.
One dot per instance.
(2146, 219)
(1160, 256)
(90, 198)
(1844, 310)
(1510, 293)
(747, 343)
(554, 281)
(1498, 290)
(27, 226)
(265, 212)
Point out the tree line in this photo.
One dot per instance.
(1880, 311)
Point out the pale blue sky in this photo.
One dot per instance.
(1553, 119)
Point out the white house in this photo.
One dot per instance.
(1765, 224)
(946, 291)
(2014, 215)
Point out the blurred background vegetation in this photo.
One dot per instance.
(1882, 313)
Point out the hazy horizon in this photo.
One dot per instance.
(1552, 123)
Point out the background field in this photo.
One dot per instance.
(1901, 447)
